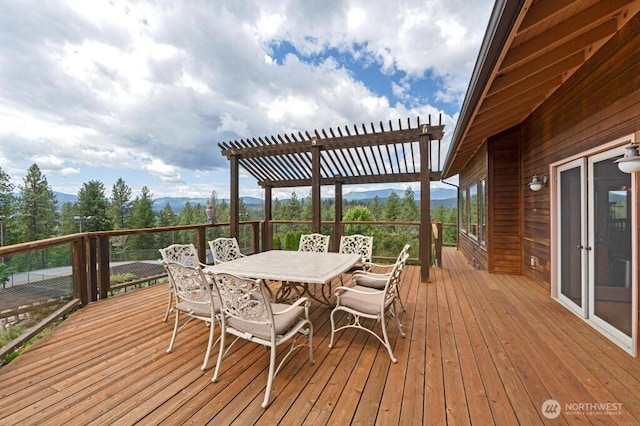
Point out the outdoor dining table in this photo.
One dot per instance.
(295, 269)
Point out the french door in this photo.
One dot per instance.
(594, 243)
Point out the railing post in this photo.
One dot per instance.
(437, 234)
(103, 267)
(201, 243)
(92, 264)
(79, 271)
(255, 227)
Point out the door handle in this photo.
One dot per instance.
(589, 248)
(579, 246)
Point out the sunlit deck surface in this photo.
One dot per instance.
(479, 349)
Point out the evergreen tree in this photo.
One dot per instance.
(120, 206)
(376, 209)
(68, 225)
(166, 218)
(292, 209)
(276, 209)
(91, 207)
(142, 216)
(187, 217)
(222, 212)
(409, 211)
(7, 207)
(392, 209)
(306, 208)
(37, 207)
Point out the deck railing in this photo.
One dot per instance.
(77, 269)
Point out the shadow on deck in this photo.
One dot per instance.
(480, 348)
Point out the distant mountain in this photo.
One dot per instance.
(383, 194)
(176, 203)
(65, 198)
(439, 196)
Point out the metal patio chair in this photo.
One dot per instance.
(378, 279)
(247, 313)
(185, 254)
(194, 298)
(361, 302)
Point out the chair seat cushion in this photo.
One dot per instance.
(282, 322)
(368, 303)
(198, 309)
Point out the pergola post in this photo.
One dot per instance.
(234, 198)
(425, 207)
(337, 230)
(267, 231)
(316, 203)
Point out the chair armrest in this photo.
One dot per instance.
(342, 289)
(371, 275)
(298, 302)
(383, 266)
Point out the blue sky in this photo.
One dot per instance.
(145, 91)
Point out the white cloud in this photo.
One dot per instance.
(148, 89)
(165, 172)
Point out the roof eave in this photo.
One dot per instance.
(501, 23)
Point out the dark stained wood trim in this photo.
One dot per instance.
(315, 189)
(267, 232)
(234, 196)
(425, 211)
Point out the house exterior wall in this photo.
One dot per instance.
(505, 194)
(596, 105)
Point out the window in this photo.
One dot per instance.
(482, 220)
(473, 211)
(464, 217)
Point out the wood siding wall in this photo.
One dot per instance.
(473, 250)
(598, 104)
(504, 207)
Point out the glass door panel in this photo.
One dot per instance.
(610, 286)
(572, 273)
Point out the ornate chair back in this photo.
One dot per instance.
(224, 250)
(314, 242)
(358, 244)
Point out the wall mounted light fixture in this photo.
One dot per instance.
(537, 183)
(630, 163)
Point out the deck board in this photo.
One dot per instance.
(479, 349)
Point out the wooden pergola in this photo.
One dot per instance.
(343, 156)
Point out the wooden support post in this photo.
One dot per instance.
(201, 243)
(79, 271)
(93, 266)
(316, 202)
(267, 231)
(337, 228)
(234, 198)
(104, 270)
(425, 207)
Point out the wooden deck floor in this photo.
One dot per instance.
(480, 349)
